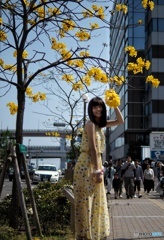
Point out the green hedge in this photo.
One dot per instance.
(52, 206)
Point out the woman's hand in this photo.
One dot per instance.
(98, 177)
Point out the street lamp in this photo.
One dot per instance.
(85, 100)
(29, 140)
(37, 154)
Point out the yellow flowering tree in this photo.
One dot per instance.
(39, 36)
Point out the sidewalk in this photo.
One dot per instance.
(137, 218)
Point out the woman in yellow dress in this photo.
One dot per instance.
(91, 211)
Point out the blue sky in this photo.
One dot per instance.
(31, 119)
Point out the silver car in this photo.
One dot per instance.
(45, 173)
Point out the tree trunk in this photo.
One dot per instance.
(19, 139)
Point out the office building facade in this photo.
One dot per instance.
(141, 104)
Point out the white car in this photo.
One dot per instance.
(46, 173)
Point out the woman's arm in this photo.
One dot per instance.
(119, 119)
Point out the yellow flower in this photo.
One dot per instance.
(24, 54)
(87, 14)
(144, 3)
(140, 62)
(155, 82)
(79, 63)
(41, 12)
(124, 8)
(112, 99)
(118, 7)
(68, 25)
(68, 137)
(35, 97)
(1, 21)
(29, 91)
(91, 72)
(82, 35)
(65, 54)
(135, 68)
(87, 80)
(12, 107)
(80, 131)
(98, 11)
(42, 96)
(147, 64)
(140, 21)
(151, 5)
(3, 36)
(118, 80)
(68, 78)
(148, 4)
(9, 67)
(59, 46)
(1, 62)
(131, 50)
(77, 86)
(94, 25)
(84, 54)
(121, 7)
(31, 21)
(53, 11)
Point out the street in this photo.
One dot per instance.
(7, 187)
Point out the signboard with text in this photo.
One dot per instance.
(157, 145)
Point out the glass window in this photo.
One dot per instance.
(139, 31)
(159, 2)
(139, 43)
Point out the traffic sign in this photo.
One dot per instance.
(22, 148)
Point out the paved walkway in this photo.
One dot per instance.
(137, 218)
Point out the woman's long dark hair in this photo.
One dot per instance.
(97, 101)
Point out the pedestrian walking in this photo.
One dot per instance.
(118, 169)
(129, 174)
(139, 178)
(115, 184)
(148, 179)
(109, 177)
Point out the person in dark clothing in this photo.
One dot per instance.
(118, 171)
(144, 164)
(115, 184)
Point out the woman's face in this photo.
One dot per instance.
(97, 111)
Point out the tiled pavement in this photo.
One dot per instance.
(137, 218)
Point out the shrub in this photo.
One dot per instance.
(52, 206)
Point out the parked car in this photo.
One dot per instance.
(46, 173)
(11, 172)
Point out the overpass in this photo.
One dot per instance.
(45, 152)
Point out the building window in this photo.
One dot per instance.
(158, 51)
(157, 106)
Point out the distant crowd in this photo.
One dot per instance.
(132, 174)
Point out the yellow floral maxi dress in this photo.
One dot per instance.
(91, 211)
